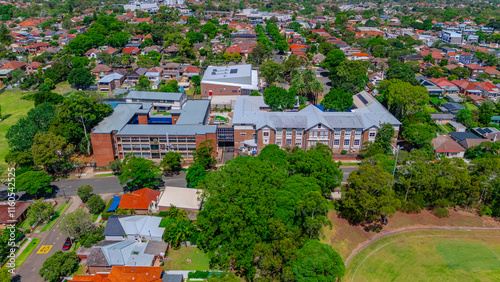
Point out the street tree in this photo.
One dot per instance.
(40, 211)
(76, 223)
(271, 71)
(96, 204)
(58, 266)
(203, 155)
(172, 162)
(84, 192)
(403, 98)
(402, 72)
(195, 175)
(34, 182)
(138, 172)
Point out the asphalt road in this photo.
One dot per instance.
(28, 272)
(104, 185)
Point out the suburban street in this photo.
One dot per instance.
(51, 242)
(111, 184)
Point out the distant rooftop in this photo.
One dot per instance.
(237, 75)
(154, 96)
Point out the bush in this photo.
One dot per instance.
(411, 207)
(84, 192)
(199, 274)
(96, 204)
(343, 152)
(484, 210)
(441, 212)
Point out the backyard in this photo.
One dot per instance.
(429, 256)
(178, 259)
(13, 108)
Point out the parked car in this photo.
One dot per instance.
(67, 244)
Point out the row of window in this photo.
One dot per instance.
(315, 133)
(138, 147)
(155, 139)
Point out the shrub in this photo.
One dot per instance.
(411, 207)
(84, 192)
(343, 152)
(441, 212)
(199, 274)
(96, 204)
(484, 210)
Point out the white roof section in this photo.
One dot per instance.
(127, 253)
(367, 114)
(238, 75)
(183, 198)
(142, 225)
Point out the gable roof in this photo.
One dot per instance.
(139, 200)
(444, 144)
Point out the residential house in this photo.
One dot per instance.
(467, 88)
(318, 58)
(359, 57)
(154, 74)
(133, 51)
(141, 201)
(12, 214)
(148, 49)
(475, 69)
(38, 48)
(441, 118)
(100, 71)
(191, 71)
(33, 67)
(171, 70)
(467, 139)
(484, 132)
(106, 255)
(444, 145)
(409, 58)
(376, 77)
(110, 82)
(133, 227)
(182, 198)
(14, 65)
(125, 273)
(493, 72)
(133, 77)
(172, 50)
(458, 127)
(445, 85)
(452, 108)
(92, 53)
(489, 90)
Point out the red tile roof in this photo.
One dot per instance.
(192, 70)
(124, 274)
(475, 67)
(13, 65)
(16, 211)
(130, 50)
(139, 200)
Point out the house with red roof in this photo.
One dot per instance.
(489, 90)
(475, 69)
(133, 51)
(142, 200)
(14, 65)
(126, 274)
(447, 86)
(33, 67)
(361, 56)
(191, 71)
(467, 88)
(38, 48)
(493, 72)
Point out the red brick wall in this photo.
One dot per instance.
(238, 138)
(174, 119)
(102, 145)
(218, 90)
(208, 136)
(143, 119)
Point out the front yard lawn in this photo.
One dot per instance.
(176, 259)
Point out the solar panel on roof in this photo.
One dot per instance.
(234, 71)
(363, 99)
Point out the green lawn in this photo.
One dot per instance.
(429, 256)
(57, 214)
(104, 175)
(470, 106)
(95, 216)
(27, 251)
(431, 109)
(14, 108)
(63, 88)
(176, 259)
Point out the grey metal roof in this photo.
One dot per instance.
(121, 115)
(237, 74)
(369, 113)
(114, 227)
(172, 278)
(194, 112)
(452, 106)
(155, 96)
(163, 129)
(460, 136)
(442, 116)
(110, 77)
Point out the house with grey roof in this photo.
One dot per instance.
(110, 81)
(161, 101)
(256, 127)
(229, 80)
(106, 254)
(133, 228)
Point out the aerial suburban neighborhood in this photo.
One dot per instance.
(191, 140)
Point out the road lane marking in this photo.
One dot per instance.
(44, 249)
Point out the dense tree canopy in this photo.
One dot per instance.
(338, 100)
